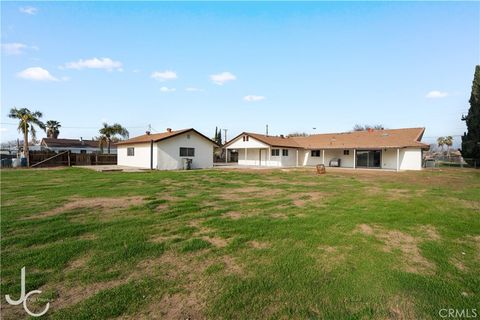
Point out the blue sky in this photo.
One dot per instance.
(240, 66)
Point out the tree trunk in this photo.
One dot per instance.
(25, 144)
(108, 145)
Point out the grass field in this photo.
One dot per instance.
(262, 244)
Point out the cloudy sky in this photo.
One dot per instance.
(240, 66)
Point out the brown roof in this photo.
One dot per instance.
(69, 143)
(155, 137)
(373, 139)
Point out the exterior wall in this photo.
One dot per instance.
(346, 161)
(251, 143)
(308, 160)
(389, 159)
(253, 158)
(411, 159)
(169, 152)
(141, 159)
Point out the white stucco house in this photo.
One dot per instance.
(167, 150)
(396, 149)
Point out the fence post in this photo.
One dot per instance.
(69, 158)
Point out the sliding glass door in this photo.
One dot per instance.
(369, 158)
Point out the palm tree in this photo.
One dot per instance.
(53, 128)
(109, 133)
(441, 142)
(27, 122)
(448, 141)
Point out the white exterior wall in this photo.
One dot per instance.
(251, 143)
(346, 161)
(389, 159)
(141, 159)
(411, 159)
(169, 152)
(253, 158)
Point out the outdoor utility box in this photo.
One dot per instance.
(187, 164)
(335, 162)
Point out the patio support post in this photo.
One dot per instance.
(323, 156)
(297, 157)
(354, 158)
(246, 155)
(398, 159)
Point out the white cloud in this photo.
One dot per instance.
(193, 89)
(95, 63)
(251, 98)
(36, 74)
(29, 10)
(223, 77)
(13, 48)
(436, 94)
(164, 75)
(166, 89)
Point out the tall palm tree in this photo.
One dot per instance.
(27, 122)
(109, 133)
(53, 128)
(441, 142)
(448, 140)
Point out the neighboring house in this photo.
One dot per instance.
(75, 145)
(167, 150)
(397, 149)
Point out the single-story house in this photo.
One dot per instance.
(168, 150)
(396, 149)
(74, 145)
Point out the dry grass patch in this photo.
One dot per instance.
(102, 204)
(216, 241)
(413, 261)
(259, 244)
(401, 308)
(303, 198)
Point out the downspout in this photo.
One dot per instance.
(151, 154)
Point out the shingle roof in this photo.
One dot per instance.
(69, 143)
(373, 139)
(146, 138)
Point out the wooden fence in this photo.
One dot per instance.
(70, 159)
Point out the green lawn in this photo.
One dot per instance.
(242, 244)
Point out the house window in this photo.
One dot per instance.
(315, 153)
(275, 152)
(245, 138)
(130, 152)
(346, 152)
(187, 152)
(285, 152)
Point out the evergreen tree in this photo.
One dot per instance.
(471, 138)
(219, 138)
(215, 137)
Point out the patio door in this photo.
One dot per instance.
(369, 158)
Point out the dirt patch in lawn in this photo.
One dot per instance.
(401, 308)
(216, 241)
(104, 204)
(189, 298)
(393, 194)
(393, 240)
(302, 198)
(248, 193)
(259, 244)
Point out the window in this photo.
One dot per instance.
(83, 151)
(285, 152)
(245, 138)
(187, 152)
(130, 152)
(315, 153)
(346, 152)
(275, 152)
